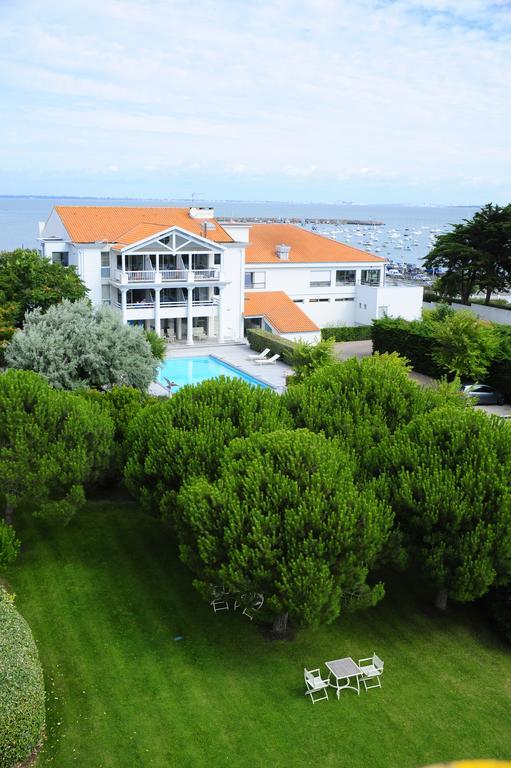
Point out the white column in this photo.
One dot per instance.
(157, 319)
(124, 308)
(220, 315)
(179, 329)
(189, 318)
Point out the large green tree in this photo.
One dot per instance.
(447, 475)
(52, 446)
(186, 435)
(73, 345)
(361, 401)
(28, 280)
(286, 519)
(476, 254)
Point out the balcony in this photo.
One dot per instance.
(167, 276)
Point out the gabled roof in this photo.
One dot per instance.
(96, 223)
(137, 233)
(306, 247)
(280, 311)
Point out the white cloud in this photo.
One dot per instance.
(386, 92)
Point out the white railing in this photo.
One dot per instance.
(140, 305)
(141, 276)
(206, 274)
(204, 303)
(166, 276)
(169, 275)
(173, 304)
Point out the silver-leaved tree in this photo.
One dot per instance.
(74, 345)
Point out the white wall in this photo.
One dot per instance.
(311, 337)
(372, 302)
(233, 294)
(239, 232)
(493, 314)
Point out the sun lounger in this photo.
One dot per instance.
(260, 356)
(267, 361)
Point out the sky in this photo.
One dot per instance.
(390, 101)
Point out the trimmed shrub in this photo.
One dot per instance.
(22, 710)
(260, 340)
(357, 333)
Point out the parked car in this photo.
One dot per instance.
(484, 394)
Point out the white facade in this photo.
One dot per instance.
(189, 286)
(343, 294)
(177, 283)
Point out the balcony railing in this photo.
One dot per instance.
(166, 276)
(171, 275)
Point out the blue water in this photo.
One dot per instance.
(407, 234)
(193, 370)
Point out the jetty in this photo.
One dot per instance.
(297, 220)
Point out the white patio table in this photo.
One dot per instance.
(347, 670)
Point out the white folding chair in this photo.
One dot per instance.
(218, 602)
(372, 670)
(256, 603)
(315, 685)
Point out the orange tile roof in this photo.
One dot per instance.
(95, 223)
(306, 247)
(280, 311)
(140, 232)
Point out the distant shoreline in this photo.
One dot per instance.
(252, 202)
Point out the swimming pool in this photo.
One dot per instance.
(193, 370)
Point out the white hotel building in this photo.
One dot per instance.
(182, 273)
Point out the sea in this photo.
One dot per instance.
(403, 234)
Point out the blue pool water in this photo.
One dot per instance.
(193, 370)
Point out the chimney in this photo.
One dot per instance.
(282, 251)
(201, 213)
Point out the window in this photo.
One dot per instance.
(345, 276)
(105, 294)
(346, 298)
(370, 277)
(298, 301)
(60, 257)
(218, 259)
(105, 264)
(318, 301)
(320, 279)
(255, 279)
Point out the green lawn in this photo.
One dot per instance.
(105, 598)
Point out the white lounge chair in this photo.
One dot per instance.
(199, 333)
(170, 336)
(267, 361)
(260, 356)
(372, 670)
(315, 684)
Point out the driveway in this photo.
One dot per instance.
(345, 349)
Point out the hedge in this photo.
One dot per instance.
(414, 341)
(260, 340)
(411, 340)
(22, 710)
(346, 333)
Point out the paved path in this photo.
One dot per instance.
(343, 350)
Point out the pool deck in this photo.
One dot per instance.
(233, 354)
